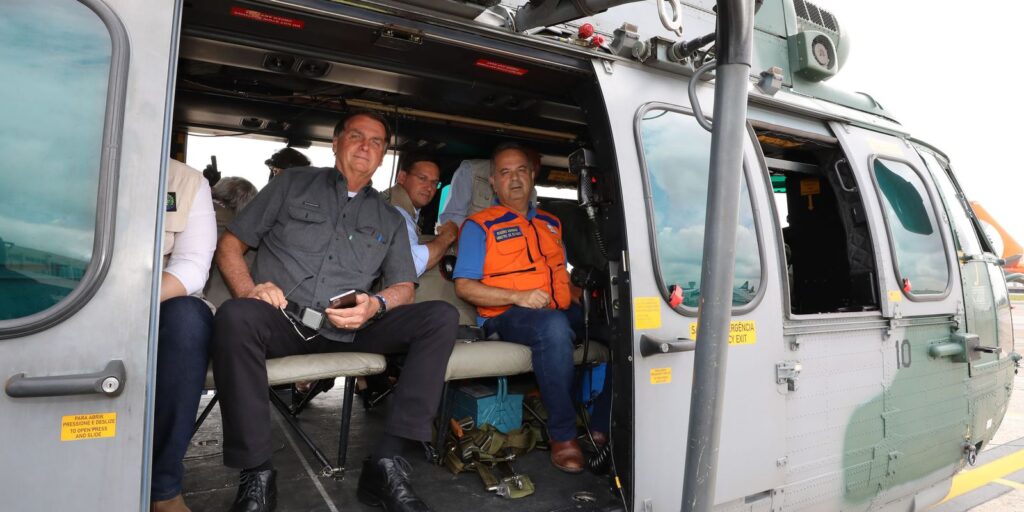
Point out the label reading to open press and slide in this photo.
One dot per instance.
(661, 375)
(741, 332)
(77, 427)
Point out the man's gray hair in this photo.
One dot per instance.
(532, 156)
(234, 193)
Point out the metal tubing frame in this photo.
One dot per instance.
(206, 412)
(728, 140)
(294, 424)
(346, 420)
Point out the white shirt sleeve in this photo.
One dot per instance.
(193, 248)
(459, 197)
(420, 252)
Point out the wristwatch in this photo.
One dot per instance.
(383, 306)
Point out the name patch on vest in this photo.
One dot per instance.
(172, 202)
(507, 233)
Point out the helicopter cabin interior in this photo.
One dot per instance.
(829, 270)
(452, 99)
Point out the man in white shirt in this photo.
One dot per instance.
(418, 176)
(186, 323)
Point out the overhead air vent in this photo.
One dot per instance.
(252, 123)
(313, 68)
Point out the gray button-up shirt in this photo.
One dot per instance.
(315, 242)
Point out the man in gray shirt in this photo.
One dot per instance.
(321, 232)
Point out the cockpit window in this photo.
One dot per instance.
(915, 235)
(55, 59)
(956, 206)
(676, 154)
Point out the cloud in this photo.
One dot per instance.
(54, 95)
(676, 150)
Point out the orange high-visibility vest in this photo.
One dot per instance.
(523, 254)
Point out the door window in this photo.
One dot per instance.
(55, 61)
(676, 153)
(913, 231)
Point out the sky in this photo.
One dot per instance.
(949, 73)
(238, 156)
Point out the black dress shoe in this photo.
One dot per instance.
(257, 491)
(385, 483)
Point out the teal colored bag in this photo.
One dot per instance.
(489, 405)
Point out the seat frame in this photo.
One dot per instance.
(290, 415)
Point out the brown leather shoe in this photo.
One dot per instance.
(567, 456)
(600, 438)
(175, 504)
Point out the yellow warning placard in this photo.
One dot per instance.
(88, 426)
(810, 187)
(895, 296)
(741, 332)
(661, 375)
(647, 312)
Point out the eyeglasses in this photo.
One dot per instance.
(291, 320)
(422, 178)
(295, 327)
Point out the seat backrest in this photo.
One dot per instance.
(480, 197)
(433, 286)
(581, 248)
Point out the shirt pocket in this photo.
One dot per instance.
(511, 257)
(370, 246)
(483, 194)
(305, 230)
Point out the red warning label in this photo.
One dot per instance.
(501, 67)
(263, 17)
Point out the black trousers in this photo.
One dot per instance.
(248, 331)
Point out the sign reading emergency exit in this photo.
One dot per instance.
(741, 332)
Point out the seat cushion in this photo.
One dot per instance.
(501, 358)
(307, 367)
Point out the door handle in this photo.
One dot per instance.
(650, 346)
(109, 381)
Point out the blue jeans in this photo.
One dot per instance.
(185, 327)
(550, 334)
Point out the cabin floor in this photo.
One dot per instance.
(211, 486)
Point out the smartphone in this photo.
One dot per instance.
(343, 300)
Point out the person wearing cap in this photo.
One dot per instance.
(285, 158)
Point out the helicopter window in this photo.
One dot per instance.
(54, 98)
(916, 240)
(963, 228)
(827, 244)
(676, 157)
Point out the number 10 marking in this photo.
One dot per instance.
(902, 354)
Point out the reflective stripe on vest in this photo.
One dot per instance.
(523, 255)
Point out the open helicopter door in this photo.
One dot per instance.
(922, 409)
(663, 160)
(86, 100)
